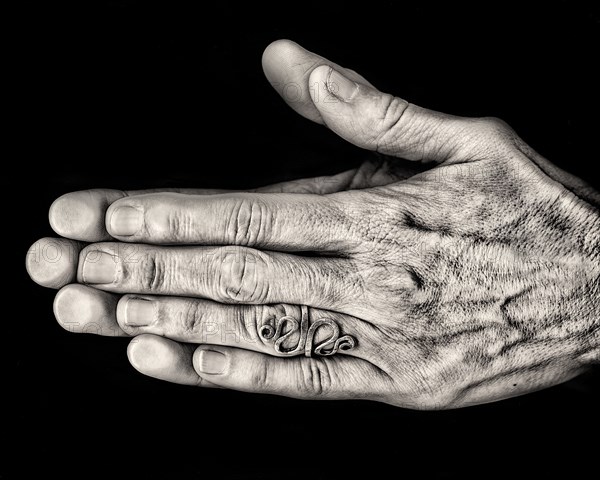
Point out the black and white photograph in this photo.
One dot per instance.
(302, 240)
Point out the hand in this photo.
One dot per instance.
(470, 282)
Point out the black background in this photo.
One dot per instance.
(104, 88)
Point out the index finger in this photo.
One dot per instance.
(283, 222)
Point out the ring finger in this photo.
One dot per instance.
(282, 330)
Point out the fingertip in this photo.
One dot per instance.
(161, 358)
(286, 66)
(278, 51)
(80, 215)
(148, 353)
(75, 215)
(52, 262)
(82, 309)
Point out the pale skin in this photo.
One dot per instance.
(467, 275)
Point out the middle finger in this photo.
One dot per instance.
(224, 274)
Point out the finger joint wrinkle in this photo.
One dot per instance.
(249, 222)
(152, 274)
(393, 114)
(194, 318)
(180, 226)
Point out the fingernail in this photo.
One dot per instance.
(126, 221)
(139, 312)
(212, 362)
(340, 86)
(99, 267)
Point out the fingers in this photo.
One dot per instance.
(82, 309)
(52, 262)
(336, 377)
(290, 222)
(192, 320)
(359, 113)
(226, 274)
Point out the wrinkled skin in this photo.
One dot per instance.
(467, 276)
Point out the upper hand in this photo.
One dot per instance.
(471, 281)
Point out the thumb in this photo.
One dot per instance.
(288, 66)
(378, 121)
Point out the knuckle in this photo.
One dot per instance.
(245, 323)
(167, 219)
(260, 376)
(178, 226)
(193, 319)
(314, 378)
(379, 217)
(151, 273)
(239, 278)
(390, 122)
(494, 128)
(488, 137)
(248, 221)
